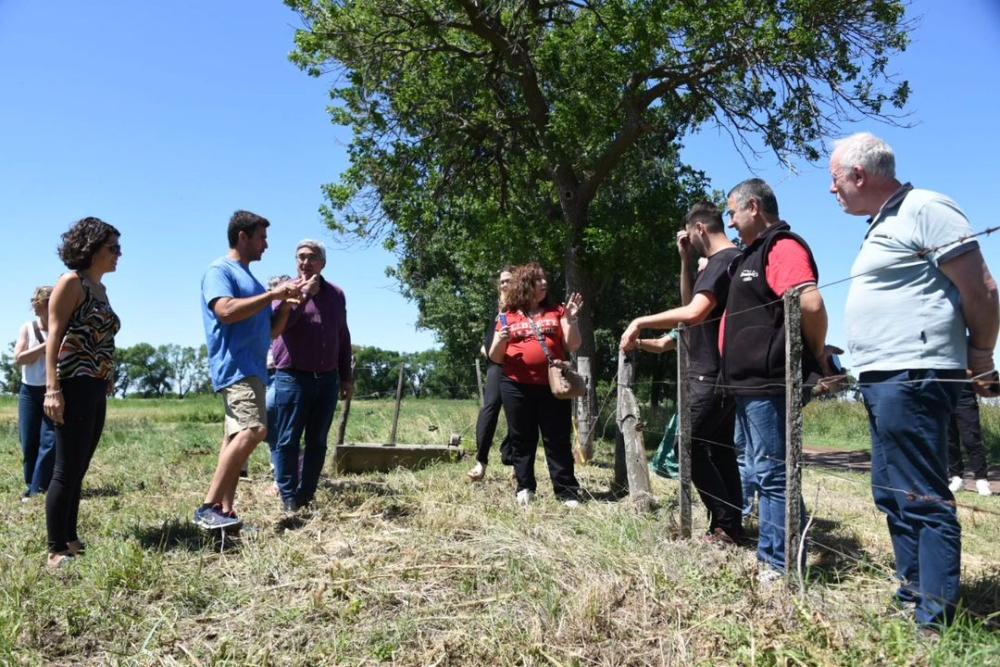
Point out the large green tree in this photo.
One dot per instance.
(488, 132)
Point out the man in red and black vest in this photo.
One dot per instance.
(774, 261)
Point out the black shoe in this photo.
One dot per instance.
(289, 505)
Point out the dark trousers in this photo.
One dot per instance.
(486, 422)
(38, 438)
(966, 431)
(908, 413)
(714, 469)
(531, 408)
(85, 401)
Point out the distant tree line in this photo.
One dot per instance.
(172, 370)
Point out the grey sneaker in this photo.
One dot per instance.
(213, 518)
(524, 497)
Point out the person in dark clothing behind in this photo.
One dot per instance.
(713, 457)
(966, 431)
(486, 422)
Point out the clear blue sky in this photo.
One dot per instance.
(163, 118)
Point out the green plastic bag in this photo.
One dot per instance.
(664, 461)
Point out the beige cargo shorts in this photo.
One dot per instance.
(245, 405)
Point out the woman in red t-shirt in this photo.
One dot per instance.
(524, 387)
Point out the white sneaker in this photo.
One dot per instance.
(477, 473)
(524, 497)
(983, 487)
(571, 503)
(956, 484)
(767, 575)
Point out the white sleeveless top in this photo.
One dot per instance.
(33, 374)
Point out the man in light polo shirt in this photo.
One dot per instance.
(312, 358)
(921, 310)
(238, 326)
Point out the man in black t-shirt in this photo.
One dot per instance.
(713, 458)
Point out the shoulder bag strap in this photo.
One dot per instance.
(541, 339)
(38, 332)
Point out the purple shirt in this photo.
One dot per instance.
(316, 338)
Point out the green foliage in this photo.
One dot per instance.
(501, 132)
(10, 372)
(433, 373)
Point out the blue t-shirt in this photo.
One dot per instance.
(238, 350)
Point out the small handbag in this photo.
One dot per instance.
(564, 381)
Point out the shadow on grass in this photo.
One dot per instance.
(981, 597)
(840, 554)
(103, 491)
(183, 535)
(352, 486)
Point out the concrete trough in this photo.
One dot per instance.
(360, 458)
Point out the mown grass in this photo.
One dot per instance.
(421, 567)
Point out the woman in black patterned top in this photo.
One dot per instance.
(79, 373)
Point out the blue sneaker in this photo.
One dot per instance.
(213, 518)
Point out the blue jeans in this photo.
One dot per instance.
(304, 404)
(38, 439)
(762, 420)
(909, 427)
(748, 479)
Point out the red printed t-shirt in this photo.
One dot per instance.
(525, 361)
(788, 266)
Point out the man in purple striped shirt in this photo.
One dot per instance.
(312, 357)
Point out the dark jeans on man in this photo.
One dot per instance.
(714, 470)
(304, 403)
(965, 430)
(38, 439)
(531, 408)
(908, 413)
(486, 422)
(85, 401)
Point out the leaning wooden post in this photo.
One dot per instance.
(479, 382)
(684, 431)
(399, 401)
(793, 427)
(584, 415)
(639, 487)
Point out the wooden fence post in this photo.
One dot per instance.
(479, 382)
(399, 400)
(584, 415)
(793, 427)
(684, 431)
(639, 487)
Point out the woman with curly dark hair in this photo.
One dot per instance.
(531, 323)
(79, 373)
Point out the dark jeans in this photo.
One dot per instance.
(909, 427)
(531, 408)
(486, 422)
(714, 470)
(304, 404)
(85, 401)
(38, 439)
(964, 430)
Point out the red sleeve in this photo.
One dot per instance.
(788, 266)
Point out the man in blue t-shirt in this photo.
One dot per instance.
(922, 312)
(238, 329)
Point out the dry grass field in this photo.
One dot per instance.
(424, 568)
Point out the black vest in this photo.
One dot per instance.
(753, 353)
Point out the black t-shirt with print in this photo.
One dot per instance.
(703, 339)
